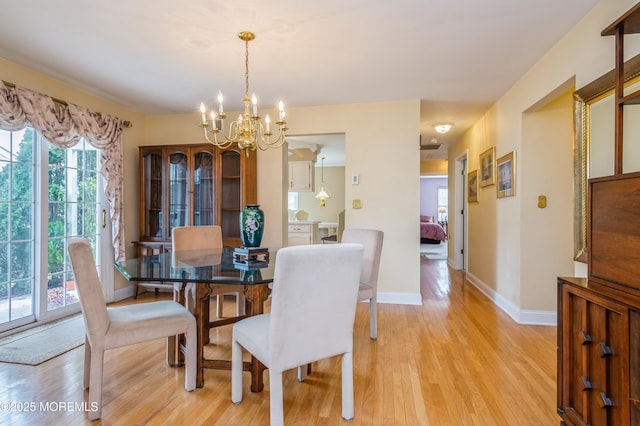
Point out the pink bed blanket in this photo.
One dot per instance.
(432, 231)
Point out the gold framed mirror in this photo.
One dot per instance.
(594, 110)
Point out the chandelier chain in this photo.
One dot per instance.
(246, 69)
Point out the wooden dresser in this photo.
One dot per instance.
(598, 354)
(599, 317)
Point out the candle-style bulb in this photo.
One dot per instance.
(281, 108)
(213, 120)
(220, 99)
(203, 109)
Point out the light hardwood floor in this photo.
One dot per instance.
(455, 360)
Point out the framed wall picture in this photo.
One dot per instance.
(487, 167)
(472, 186)
(506, 169)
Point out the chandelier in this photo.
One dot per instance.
(248, 131)
(323, 192)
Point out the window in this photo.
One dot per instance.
(293, 201)
(17, 225)
(73, 205)
(52, 206)
(443, 204)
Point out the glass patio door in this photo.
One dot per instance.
(47, 196)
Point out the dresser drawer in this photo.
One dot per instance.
(301, 228)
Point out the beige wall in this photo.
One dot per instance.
(511, 256)
(546, 152)
(368, 151)
(434, 167)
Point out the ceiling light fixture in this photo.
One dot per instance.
(323, 192)
(442, 128)
(248, 131)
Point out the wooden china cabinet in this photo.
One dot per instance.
(599, 317)
(199, 184)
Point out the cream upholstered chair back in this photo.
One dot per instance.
(314, 298)
(92, 302)
(184, 238)
(113, 327)
(340, 229)
(196, 237)
(371, 240)
(313, 306)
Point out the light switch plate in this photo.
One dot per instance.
(356, 203)
(354, 179)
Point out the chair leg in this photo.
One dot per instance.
(373, 317)
(302, 372)
(95, 384)
(219, 301)
(347, 386)
(172, 347)
(191, 357)
(87, 362)
(236, 372)
(206, 309)
(240, 304)
(275, 398)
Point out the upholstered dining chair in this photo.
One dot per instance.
(315, 292)
(201, 238)
(337, 237)
(108, 328)
(371, 240)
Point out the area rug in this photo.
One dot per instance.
(434, 251)
(39, 344)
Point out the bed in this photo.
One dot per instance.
(430, 231)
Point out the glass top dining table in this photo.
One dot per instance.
(209, 273)
(202, 266)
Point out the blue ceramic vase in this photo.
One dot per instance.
(251, 225)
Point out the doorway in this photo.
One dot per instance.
(312, 160)
(434, 216)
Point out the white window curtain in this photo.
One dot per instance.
(63, 126)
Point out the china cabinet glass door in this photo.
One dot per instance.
(152, 176)
(230, 194)
(203, 178)
(178, 190)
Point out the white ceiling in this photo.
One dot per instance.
(159, 57)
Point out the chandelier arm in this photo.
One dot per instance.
(215, 142)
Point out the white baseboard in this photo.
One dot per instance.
(123, 293)
(520, 316)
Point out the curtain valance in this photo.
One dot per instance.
(63, 126)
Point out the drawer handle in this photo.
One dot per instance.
(586, 337)
(605, 401)
(606, 350)
(586, 384)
